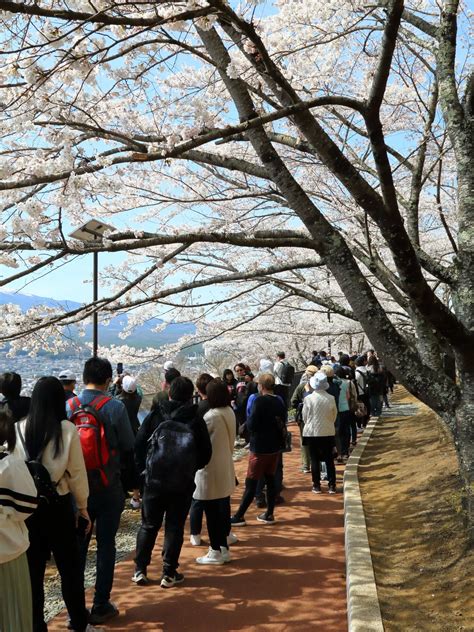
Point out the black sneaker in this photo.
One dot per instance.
(266, 519)
(101, 614)
(235, 521)
(316, 489)
(140, 578)
(168, 582)
(332, 489)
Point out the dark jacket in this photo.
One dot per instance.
(132, 404)
(265, 436)
(177, 411)
(18, 406)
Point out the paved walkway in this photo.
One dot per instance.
(287, 576)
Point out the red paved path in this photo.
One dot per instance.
(289, 576)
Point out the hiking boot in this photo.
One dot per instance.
(225, 555)
(266, 519)
(140, 578)
(212, 557)
(168, 581)
(195, 540)
(101, 614)
(317, 489)
(235, 521)
(232, 539)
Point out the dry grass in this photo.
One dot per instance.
(411, 491)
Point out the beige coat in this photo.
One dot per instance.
(217, 479)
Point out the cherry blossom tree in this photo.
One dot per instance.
(256, 149)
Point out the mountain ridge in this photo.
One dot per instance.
(142, 336)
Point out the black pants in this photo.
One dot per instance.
(197, 511)
(249, 495)
(217, 517)
(52, 529)
(320, 449)
(154, 507)
(345, 419)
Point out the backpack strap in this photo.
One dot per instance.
(98, 402)
(74, 403)
(22, 439)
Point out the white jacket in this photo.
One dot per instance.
(319, 415)
(217, 479)
(18, 500)
(67, 469)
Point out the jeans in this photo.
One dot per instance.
(52, 528)
(154, 507)
(376, 402)
(105, 509)
(320, 449)
(345, 419)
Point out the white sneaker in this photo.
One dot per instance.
(135, 503)
(195, 540)
(225, 555)
(212, 557)
(232, 538)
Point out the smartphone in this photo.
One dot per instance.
(81, 528)
(119, 368)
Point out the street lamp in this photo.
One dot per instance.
(92, 232)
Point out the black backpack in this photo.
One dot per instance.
(287, 373)
(171, 462)
(375, 383)
(47, 492)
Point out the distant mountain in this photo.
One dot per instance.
(143, 336)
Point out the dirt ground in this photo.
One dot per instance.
(411, 492)
(286, 576)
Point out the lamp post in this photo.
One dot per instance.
(92, 232)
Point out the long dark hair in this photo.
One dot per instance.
(47, 410)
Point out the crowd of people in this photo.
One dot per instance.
(69, 461)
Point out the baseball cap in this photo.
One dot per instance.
(68, 376)
(129, 384)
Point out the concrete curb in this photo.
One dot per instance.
(363, 609)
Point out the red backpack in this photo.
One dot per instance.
(93, 438)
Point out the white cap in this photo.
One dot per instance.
(168, 365)
(68, 376)
(129, 384)
(319, 382)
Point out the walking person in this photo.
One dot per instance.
(171, 445)
(47, 437)
(346, 405)
(216, 481)
(10, 388)
(68, 380)
(18, 500)
(264, 425)
(376, 385)
(319, 416)
(301, 391)
(196, 512)
(106, 498)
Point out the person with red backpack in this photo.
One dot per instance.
(107, 441)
